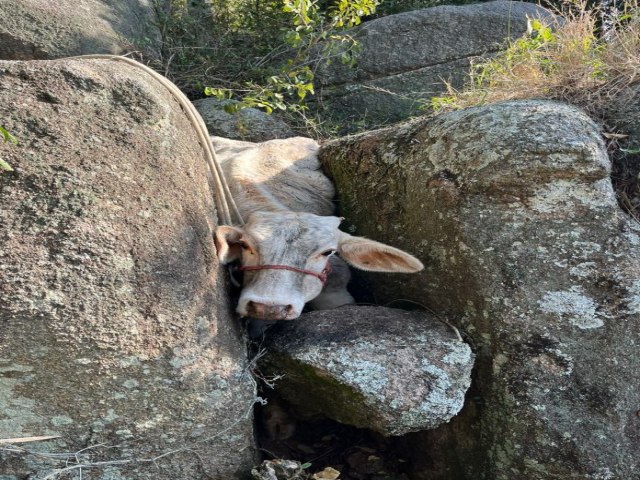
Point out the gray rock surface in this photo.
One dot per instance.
(44, 29)
(405, 59)
(115, 326)
(392, 371)
(249, 124)
(511, 209)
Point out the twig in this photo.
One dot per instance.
(5, 441)
(438, 317)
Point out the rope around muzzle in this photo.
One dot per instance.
(323, 276)
(225, 205)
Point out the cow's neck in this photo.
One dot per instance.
(253, 197)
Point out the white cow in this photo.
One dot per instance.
(286, 248)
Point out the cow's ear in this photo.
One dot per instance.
(228, 243)
(374, 256)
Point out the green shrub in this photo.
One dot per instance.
(314, 35)
(262, 52)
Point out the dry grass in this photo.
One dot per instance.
(566, 61)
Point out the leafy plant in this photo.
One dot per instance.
(314, 36)
(6, 137)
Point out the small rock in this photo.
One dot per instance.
(388, 370)
(326, 474)
(279, 469)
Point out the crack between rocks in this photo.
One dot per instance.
(402, 72)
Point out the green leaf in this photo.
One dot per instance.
(219, 93)
(5, 166)
(7, 137)
(306, 465)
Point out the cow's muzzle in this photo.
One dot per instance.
(263, 311)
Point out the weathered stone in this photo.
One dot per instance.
(405, 59)
(249, 124)
(388, 370)
(115, 327)
(43, 29)
(511, 209)
(279, 469)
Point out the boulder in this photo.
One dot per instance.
(405, 59)
(512, 210)
(388, 370)
(116, 331)
(42, 29)
(248, 124)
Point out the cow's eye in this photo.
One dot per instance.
(245, 246)
(328, 253)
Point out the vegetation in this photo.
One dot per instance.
(263, 52)
(584, 61)
(6, 137)
(568, 61)
(217, 41)
(314, 37)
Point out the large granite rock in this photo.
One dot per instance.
(45, 29)
(404, 59)
(511, 209)
(115, 327)
(387, 370)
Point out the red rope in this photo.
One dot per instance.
(323, 276)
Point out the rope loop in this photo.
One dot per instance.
(323, 276)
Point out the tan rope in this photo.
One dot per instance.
(222, 197)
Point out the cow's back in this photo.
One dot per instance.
(275, 175)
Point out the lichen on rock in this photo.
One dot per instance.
(391, 371)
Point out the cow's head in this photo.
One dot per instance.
(303, 244)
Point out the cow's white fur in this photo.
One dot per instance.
(286, 201)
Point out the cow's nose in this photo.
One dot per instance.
(270, 312)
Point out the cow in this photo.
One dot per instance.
(290, 249)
